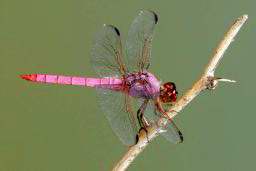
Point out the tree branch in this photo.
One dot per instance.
(206, 81)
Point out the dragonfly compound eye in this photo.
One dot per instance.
(168, 92)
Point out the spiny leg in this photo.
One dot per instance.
(140, 114)
(141, 119)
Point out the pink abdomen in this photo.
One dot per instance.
(108, 82)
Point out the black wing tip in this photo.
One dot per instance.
(116, 29)
(181, 137)
(154, 14)
(113, 27)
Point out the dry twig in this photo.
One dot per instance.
(206, 81)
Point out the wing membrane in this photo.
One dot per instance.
(121, 119)
(139, 40)
(171, 131)
(172, 134)
(106, 54)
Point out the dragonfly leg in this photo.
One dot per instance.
(143, 125)
(141, 119)
(160, 108)
(142, 129)
(140, 115)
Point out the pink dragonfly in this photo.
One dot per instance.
(131, 97)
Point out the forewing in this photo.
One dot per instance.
(139, 41)
(114, 106)
(170, 132)
(106, 54)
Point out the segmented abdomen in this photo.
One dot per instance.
(108, 82)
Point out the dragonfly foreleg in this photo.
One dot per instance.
(140, 115)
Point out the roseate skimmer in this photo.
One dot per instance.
(131, 97)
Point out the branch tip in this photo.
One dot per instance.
(245, 16)
(226, 80)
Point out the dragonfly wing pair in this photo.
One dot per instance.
(108, 60)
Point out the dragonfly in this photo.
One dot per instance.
(129, 95)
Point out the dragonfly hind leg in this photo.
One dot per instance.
(140, 115)
(142, 120)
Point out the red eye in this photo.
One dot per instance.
(168, 93)
(173, 97)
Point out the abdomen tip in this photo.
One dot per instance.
(29, 77)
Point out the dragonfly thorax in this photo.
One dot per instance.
(142, 85)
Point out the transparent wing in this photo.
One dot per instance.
(106, 54)
(139, 40)
(117, 108)
(172, 134)
(171, 131)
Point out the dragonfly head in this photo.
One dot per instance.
(168, 92)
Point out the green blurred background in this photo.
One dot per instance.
(60, 128)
